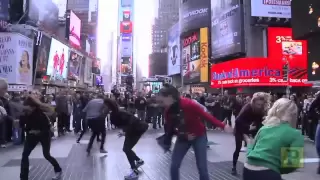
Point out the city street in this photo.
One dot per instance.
(77, 166)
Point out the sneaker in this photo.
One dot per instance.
(139, 163)
(57, 176)
(103, 151)
(234, 171)
(78, 141)
(3, 146)
(243, 149)
(132, 175)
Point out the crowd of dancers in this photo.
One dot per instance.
(267, 125)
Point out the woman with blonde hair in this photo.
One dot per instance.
(249, 121)
(38, 129)
(275, 149)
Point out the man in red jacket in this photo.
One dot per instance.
(184, 119)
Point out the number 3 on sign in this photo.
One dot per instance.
(279, 39)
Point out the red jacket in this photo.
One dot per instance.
(194, 116)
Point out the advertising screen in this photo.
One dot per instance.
(96, 66)
(126, 48)
(194, 14)
(16, 58)
(174, 66)
(272, 9)
(74, 30)
(75, 62)
(126, 27)
(227, 28)
(88, 77)
(126, 37)
(126, 66)
(99, 81)
(313, 59)
(43, 56)
(126, 3)
(58, 60)
(44, 14)
(286, 65)
(305, 18)
(126, 16)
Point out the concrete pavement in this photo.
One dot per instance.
(114, 166)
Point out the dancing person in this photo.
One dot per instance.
(249, 121)
(185, 118)
(38, 129)
(313, 115)
(268, 155)
(133, 128)
(96, 117)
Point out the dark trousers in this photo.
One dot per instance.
(238, 136)
(130, 141)
(98, 127)
(62, 119)
(227, 114)
(76, 122)
(3, 134)
(261, 175)
(30, 143)
(84, 128)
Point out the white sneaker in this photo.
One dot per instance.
(3, 146)
(132, 175)
(57, 176)
(243, 149)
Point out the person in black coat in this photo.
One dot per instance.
(133, 128)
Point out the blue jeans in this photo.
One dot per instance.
(181, 148)
(317, 139)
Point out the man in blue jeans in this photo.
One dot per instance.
(184, 118)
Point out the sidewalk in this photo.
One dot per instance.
(114, 166)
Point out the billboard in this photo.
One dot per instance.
(126, 15)
(195, 57)
(74, 30)
(96, 66)
(126, 37)
(194, 14)
(174, 65)
(125, 27)
(226, 28)
(126, 48)
(43, 56)
(75, 62)
(272, 9)
(313, 59)
(16, 56)
(58, 60)
(285, 65)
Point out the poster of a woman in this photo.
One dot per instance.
(24, 66)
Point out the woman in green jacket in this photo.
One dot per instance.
(278, 146)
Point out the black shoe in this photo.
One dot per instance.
(88, 152)
(78, 141)
(139, 163)
(234, 171)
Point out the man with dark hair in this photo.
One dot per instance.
(184, 117)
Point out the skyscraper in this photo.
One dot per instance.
(168, 14)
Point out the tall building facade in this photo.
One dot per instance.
(168, 14)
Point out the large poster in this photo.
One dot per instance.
(191, 58)
(194, 14)
(126, 48)
(88, 77)
(74, 66)
(174, 65)
(227, 28)
(58, 60)
(74, 30)
(43, 56)
(273, 9)
(16, 52)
